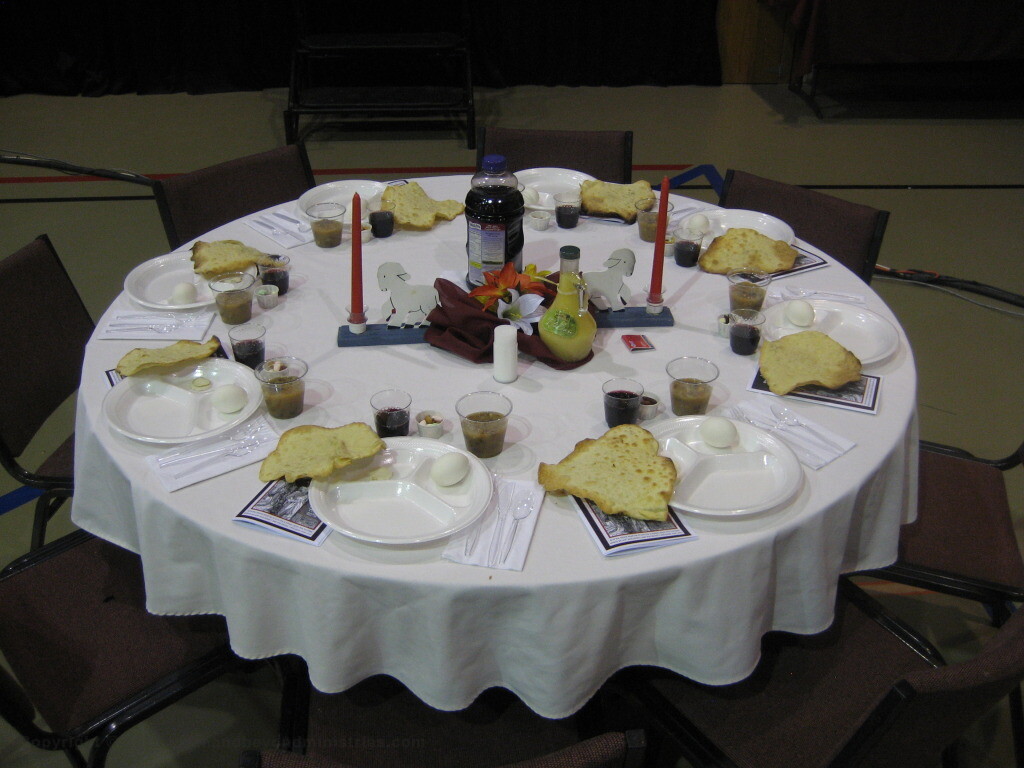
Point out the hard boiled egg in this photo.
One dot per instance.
(719, 432)
(698, 223)
(449, 469)
(800, 313)
(531, 196)
(183, 293)
(229, 398)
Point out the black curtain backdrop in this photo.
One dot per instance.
(165, 46)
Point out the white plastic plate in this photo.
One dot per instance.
(408, 507)
(550, 182)
(723, 219)
(166, 409)
(759, 474)
(341, 192)
(151, 282)
(869, 336)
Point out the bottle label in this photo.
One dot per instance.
(560, 324)
(487, 245)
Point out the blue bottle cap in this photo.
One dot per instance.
(493, 163)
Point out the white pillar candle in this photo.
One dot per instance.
(506, 354)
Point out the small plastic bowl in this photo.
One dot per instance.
(433, 429)
(539, 220)
(648, 406)
(267, 296)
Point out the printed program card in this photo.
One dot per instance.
(283, 508)
(860, 395)
(618, 534)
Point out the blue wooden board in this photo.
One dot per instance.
(378, 335)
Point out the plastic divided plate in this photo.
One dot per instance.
(869, 336)
(760, 473)
(407, 506)
(167, 409)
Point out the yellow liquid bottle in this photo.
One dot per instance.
(567, 328)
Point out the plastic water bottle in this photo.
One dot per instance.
(494, 220)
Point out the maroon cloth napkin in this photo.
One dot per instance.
(459, 325)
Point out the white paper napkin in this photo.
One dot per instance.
(282, 227)
(497, 540)
(173, 326)
(243, 445)
(814, 445)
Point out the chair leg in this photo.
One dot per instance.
(46, 507)
(1017, 724)
(75, 757)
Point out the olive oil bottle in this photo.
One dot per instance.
(567, 328)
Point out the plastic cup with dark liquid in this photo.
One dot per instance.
(391, 412)
(745, 331)
(382, 221)
(686, 246)
(248, 344)
(622, 401)
(690, 390)
(567, 209)
(277, 273)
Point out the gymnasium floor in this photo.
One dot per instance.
(953, 180)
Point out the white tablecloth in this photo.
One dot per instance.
(555, 631)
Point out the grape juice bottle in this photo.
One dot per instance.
(494, 220)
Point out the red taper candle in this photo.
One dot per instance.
(659, 244)
(356, 315)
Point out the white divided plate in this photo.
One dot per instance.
(870, 337)
(550, 182)
(722, 219)
(151, 282)
(166, 409)
(407, 508)
(341, 192)
(759, 474)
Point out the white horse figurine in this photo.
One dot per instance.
(610, 286)
(406, 304)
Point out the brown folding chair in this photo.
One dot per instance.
(193, 203)
(963, 542)
(848, 232)
(86, 657)
(605, 155)
(379, 723)
(865, 692)
(48, 328)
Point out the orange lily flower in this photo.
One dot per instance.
(499, 283)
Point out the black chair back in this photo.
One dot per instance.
(605, 155)
(848, 232)
(46, 329)
(194, 203)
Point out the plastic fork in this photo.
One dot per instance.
(302, 227)
(155, 327)
(809, 293)
(789, 419)
(241, 436)
(274, 229)
(239, 450)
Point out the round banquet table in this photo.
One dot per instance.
(553, 632)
